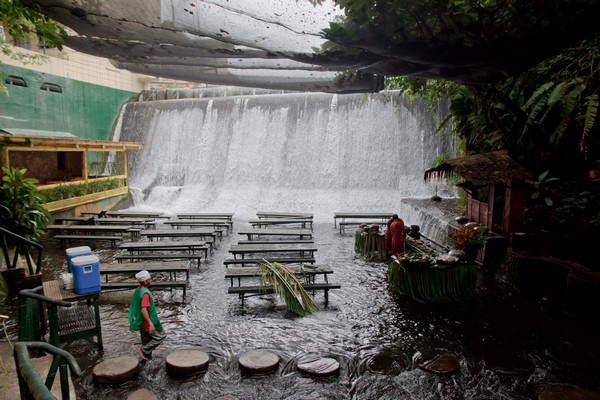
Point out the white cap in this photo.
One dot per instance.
(142, 276)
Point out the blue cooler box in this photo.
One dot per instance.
(86, 274)
(76, 252)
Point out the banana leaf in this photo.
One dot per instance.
(288, 287)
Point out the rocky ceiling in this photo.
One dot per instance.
(281, 44)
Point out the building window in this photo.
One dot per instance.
(23, 42)
(61, 164)
(15, 81)
(51, 87)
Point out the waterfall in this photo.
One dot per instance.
(304, 152)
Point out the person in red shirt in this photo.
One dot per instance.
(397, 231)
(143, 317)
(388, 236)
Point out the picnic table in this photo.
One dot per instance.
(170, 267)
(127, 214)
(309, 272)
(288, 215)
(362, 216)
(96, 229)
(180, 233)
(183, 245)
(301, 233)
(215, 223)
(206, 215)
(244, 249)
(303, 222)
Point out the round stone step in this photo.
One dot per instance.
(559, 392)
(442, 363)
(186, 362)
(142, 394)
(259, 361)
(318, 366)
(116, 370)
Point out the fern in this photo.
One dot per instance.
(591, 110)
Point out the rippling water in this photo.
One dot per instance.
(507, 348)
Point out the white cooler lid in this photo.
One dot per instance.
(82, 260)
(73, 251)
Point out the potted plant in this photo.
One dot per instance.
(468, 238)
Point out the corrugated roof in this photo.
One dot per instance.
(480, 170)
(36, 133)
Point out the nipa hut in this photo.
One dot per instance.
(495, 186)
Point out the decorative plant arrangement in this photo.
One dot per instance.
(369, 243)
(288, 287)
(466, 236)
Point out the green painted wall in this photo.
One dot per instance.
(86, 110)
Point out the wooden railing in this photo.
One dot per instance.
(22, 246)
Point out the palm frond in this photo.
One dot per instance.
(288, 287)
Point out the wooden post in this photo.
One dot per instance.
(124, 171)
(84, 172)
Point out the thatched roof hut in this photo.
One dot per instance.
(478, 170)
(495, 185)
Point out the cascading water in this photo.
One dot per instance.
(317, 153)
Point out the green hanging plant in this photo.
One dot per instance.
(288, 287)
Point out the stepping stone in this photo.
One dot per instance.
(443, 363)
(116, 370)
(388, 362)
(319, 366)
(560, 392)
(186, 362)
(142, 394)
(259, 361)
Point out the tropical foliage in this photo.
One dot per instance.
(369, 246)
(21, 210)
(289, 288)
(434, 285)
(62, 192)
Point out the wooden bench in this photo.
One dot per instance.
(244, 290)
(155, 285)
(66, 239)
(275, 241)
(130, 269)
(146, 257)
(306, 272)
(252, 261)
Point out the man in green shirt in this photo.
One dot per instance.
(143, 317)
